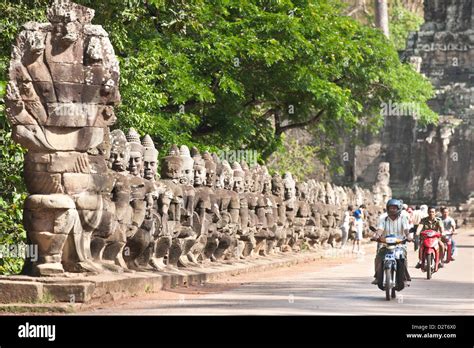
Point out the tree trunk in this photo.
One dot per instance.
(381, 16)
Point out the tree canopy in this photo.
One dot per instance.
(239, 73)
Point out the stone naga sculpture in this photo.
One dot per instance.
(63, 86)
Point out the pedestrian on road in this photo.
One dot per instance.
(449, 228)
(347, 223)
(359, 227)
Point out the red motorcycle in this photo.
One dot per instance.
(430, 252)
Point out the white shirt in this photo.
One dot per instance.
(347, 218)
(396, 227)
(449, 224)
(417, 216)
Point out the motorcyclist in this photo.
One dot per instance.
(397, 224)
(449, 226)
(431, 222)
(417, 215)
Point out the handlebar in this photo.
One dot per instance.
(383, 240)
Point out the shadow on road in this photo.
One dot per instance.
(351, 295)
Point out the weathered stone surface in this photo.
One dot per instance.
(74, 139)
(20, 291)
(435, 161)
(75, 183)
(38, 182)
(72, 293)
(53, 201)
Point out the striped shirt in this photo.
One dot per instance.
(396, 227)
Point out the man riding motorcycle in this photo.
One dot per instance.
(449, 226)
(431, 222)
(393, 224)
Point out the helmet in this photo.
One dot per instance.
(395, 202)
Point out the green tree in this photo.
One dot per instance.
(239, 73)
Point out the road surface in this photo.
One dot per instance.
(341, 289)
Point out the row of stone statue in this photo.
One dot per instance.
(200, 210)
(95, 202)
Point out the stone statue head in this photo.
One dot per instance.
(150, 158)
(171, 165)
(256, 178)
(239, 175)
(277, 185)
(266, 181)
(302, 191)
(119, 152)
(68, 19)
(199, 168)
(211, 169)
(187, 171)
(247, 176)
(36, 41)
(135, 163)
(289, 185)
(226, 176)
(321, 193)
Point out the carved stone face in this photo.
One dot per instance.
(66, 33)
(289, 191)
(277, 186)
(150, 169)
(248, 182)
(219, 181)
(119, 153)
(27, 89)
(36, 41)
(171, 168)
(210, 177)
(239, 185)
(135, 163)
(187, 173)
(267, 184)
(258, 180)
(199, 175)
(227, 180)
(301, 191)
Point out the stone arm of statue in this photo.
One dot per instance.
(215, 212)
(139, 212)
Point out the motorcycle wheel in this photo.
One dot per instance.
(429, 269)
(388, 283)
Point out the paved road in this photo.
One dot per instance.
(339, 290)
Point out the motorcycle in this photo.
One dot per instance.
(395, 254)
(430, 254)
